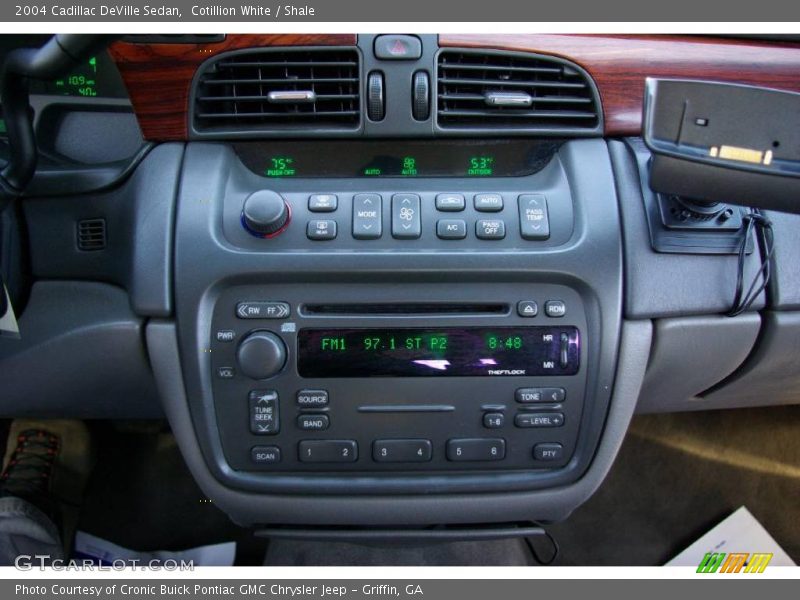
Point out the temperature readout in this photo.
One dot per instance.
(281, 166)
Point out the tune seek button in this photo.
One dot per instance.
(475, 449)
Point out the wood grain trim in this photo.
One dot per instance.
(620, 64)
(159, 76)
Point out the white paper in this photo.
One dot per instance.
(740, 532)
(102, 551)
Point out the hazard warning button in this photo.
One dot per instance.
(398, 47)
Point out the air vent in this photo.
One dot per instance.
(91, 235)
(514, 92)
(265, 90)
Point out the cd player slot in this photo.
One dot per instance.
(405, 309)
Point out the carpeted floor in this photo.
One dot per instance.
(676, 477)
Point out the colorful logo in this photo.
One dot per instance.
(734, 562)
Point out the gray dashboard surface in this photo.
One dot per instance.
(80, 355)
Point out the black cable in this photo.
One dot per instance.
(535, 553)
(742, 300)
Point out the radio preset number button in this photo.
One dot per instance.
(402, 450)
(475, 449)
(327, 451)
(312, 398)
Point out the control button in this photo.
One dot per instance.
(265, 455)
(405, 217)
(327, 451)
(494, 420)
(321, 230)
(367, 219)
(450, 202)
(539, 420)
(563, 353)
(490, 229)
(261, 355)
(527, 308)
(226, 372)
(265, 214)
(451, 229)
(397, 47)
(534, 222)
(263, 310)
(488, 202)
(555, 308)
(312, 398)
(402, 450)
(548, 451)
(323, 202)
(313, 422)
(533, 395)
(476, 449)
(225, 335)
(264, 417)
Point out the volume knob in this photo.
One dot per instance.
(265, 213)
(261, 355)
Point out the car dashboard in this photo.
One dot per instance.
(386, 280)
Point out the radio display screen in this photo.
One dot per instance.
(445, 352)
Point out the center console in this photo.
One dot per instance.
(357, 336)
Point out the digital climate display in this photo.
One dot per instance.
(397, 158)
(449, 352)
